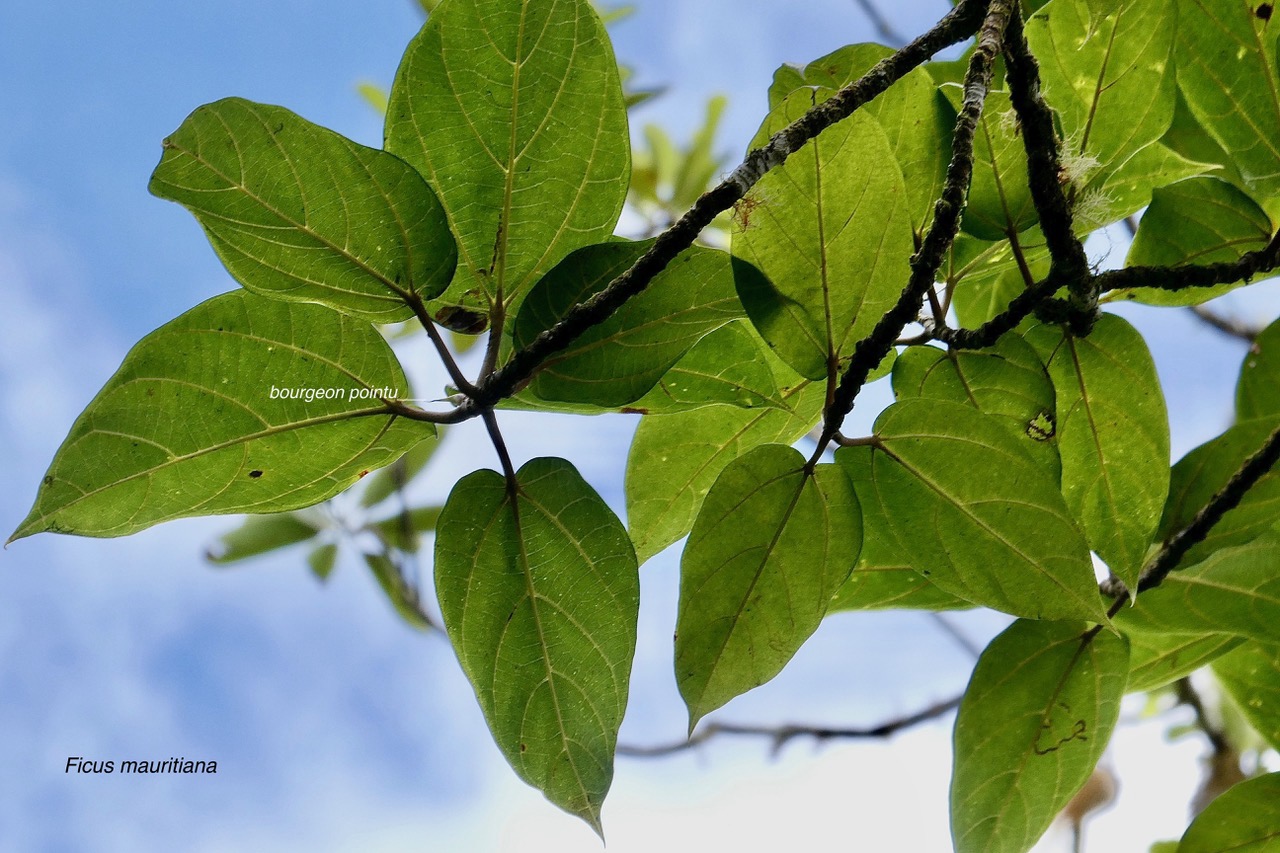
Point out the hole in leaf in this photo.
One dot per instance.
(255, 474)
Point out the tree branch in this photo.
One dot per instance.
(1189, 275)
(946, 222)
(956, 26)
(883, 28)
(781, 735)
(1227, 325)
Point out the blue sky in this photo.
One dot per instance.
(334, 727)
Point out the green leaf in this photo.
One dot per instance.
(915, 117)
(395, 476)
(1227, 73)
(1203, 472)
(1006, 381)
(540, 594)
(404, 598)
(1197, 221)
(1188, 138)
(728, 367)
(403, 530)
(298, 212)
(989, 275)
(977, 515)
(321, 560)
(999, 198)
(883, 577)
(1251, 676)
(615, 362)
(830, 230)
(1034, 721)
(1159, 659)
(1113, 437)
(674, 459)
(259, 535)
(513, 112)
(1109, 196)
(1258, 390)
(1234, 591)
(1109, 76)
(772, 544)
(1242, 820)
(188, 424)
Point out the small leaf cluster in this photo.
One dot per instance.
(883, 190)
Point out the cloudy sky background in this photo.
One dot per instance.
(335, 727)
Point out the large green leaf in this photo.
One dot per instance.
(977, 515)
(1258, 389)
(1242, 820)
(1113, 437)
(1227, 73)
(298, 212)
(513, 112)
(193, 424)
(1203, 472)
(1187, 137)
(1159, 659)
(772, 544)
(539, 592)
(831, 232)
(1006, 381)
(1197, 221)
(1109, 196)
(985, 276)
(1034, 721)
(883, 577)
(1110, 76)
(1251, 675)
(1234, 591)
(617, 361)
(674, 459)
(914, 115)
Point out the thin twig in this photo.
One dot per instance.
(783, 734)
(946, 222)
(884, 29)
(1187, 695)
(1227, 325)
(459, 378)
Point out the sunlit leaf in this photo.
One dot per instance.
(539, 591)
(674, 459)
(1242, 820)
(513, 112)
(883, 577)
(1227, 74)
(999, 198)
(728, 367)
(1251, 676)
(617, 361)
(1113, 436)
(1198, 221)
(830, 231)
(915, 117)
(1109, 75)
(1006, 381)
(773, 542)
(1035, 719)
(298, 212)
(977, 515)
(1233, 591)
(189, 424)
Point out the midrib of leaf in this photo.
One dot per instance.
(823, 262)
(204, 451)
(1260, 53)
(994, 576)
(404, 296)
(1099, 87)
(964, 380)
(514, 494)
(755, 578)
(994, 158)
(1093, 423)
